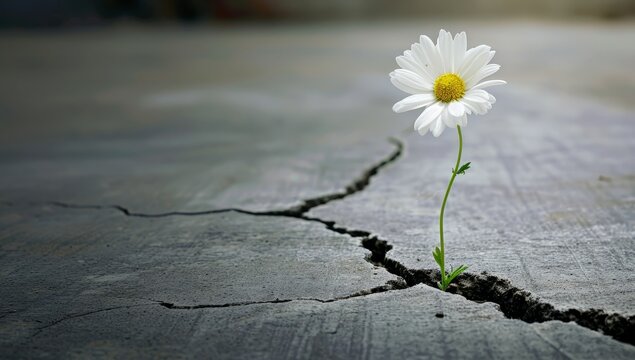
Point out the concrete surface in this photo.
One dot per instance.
(151, 178)
(388, 325)
(550, 210)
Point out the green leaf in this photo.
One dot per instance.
(463, 168)
(438, 257)
(456, 272)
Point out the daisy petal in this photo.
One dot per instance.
(445, 43)
(422, 64)
(477, 101)
(428, 115)
(469, 57)
(423, 130)
(480, 59)
(471, 107)
(403, 87)
(476, 108)
(488, 83)
(421, 59)
(429, 54)
(407, 62)
(414, 102)
(456, 109)
(438, 127)
(477, 95)
(462, 121)
(481, 74)
(412, 80)
(448, 119)
(460, 44)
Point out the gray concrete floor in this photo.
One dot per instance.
(210, 192)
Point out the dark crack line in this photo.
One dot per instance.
(78, 315)
(390, 285)
(514, 303)
(127, 212)
(357, 185)
(173, 306)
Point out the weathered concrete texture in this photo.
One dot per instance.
(160, 120)
(265, 118)
(191, 171)
(401, 324)
(187, 121)
(546, 203)
(59, 262)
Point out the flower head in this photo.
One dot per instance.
(445, 79)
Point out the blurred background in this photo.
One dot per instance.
(74, 12)
(141, 107)
(100, 100)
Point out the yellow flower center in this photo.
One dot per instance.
(449, 87)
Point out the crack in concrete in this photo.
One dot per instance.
(390, 285)
(127, 212)
(514, 303)
(357, 185)
(78, 315)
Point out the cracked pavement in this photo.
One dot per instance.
(190, 208)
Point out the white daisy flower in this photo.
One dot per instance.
(445, 79)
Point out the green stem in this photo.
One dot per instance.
(445, 200)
